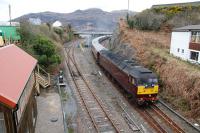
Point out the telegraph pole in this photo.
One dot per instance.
(10, 13)
(128, 6)
(128, 11)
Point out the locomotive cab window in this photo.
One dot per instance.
(148, 81)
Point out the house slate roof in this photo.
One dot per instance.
(16, 67)
(188, 28)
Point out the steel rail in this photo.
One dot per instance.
(76, 84)
(93, 94)
(169, 121)
(152, 122)
(181, 117)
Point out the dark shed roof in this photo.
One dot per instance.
(188, 28)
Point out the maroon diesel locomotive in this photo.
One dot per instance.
(140, 82)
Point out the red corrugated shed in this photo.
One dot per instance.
(16, 67)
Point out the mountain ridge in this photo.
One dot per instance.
(94, 19)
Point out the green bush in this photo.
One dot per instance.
(38, 41)
(46, 52)
(44, 46)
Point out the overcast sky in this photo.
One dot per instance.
(21, 7)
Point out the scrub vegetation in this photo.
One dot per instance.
(44, 42)
(162, 17)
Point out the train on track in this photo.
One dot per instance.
(140, 82)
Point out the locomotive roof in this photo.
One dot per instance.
(130, 67)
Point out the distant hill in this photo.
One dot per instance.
(84, 20)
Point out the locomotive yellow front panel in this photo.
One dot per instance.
(149, 90)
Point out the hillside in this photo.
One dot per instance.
(90, 19)
(166, 17)
(151, 49)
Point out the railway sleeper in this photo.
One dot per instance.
(106, 128)
(94, 108)
(100, 120)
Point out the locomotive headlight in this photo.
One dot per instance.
(150, 95)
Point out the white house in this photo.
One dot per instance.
(57, 24)
(185, 43)
(35, 21)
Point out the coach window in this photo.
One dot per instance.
(2, 123)
(178, 49)
(131, 80)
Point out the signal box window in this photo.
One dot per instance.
(2, 123)
(194, 55)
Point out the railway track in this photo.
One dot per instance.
(98, 113)
(150, 120)
(168, 120)
(179, 116)
(158, 120)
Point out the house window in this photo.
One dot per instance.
(182, 50)
(195, 37)
(178, 49)
(194, 55)
(2, 123)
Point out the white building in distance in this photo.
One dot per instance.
(57, 24)
(6, 23)
(35, 21)
(185, 43)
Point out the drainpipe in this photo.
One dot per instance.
(14, 119)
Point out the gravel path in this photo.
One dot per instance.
(50, 117)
